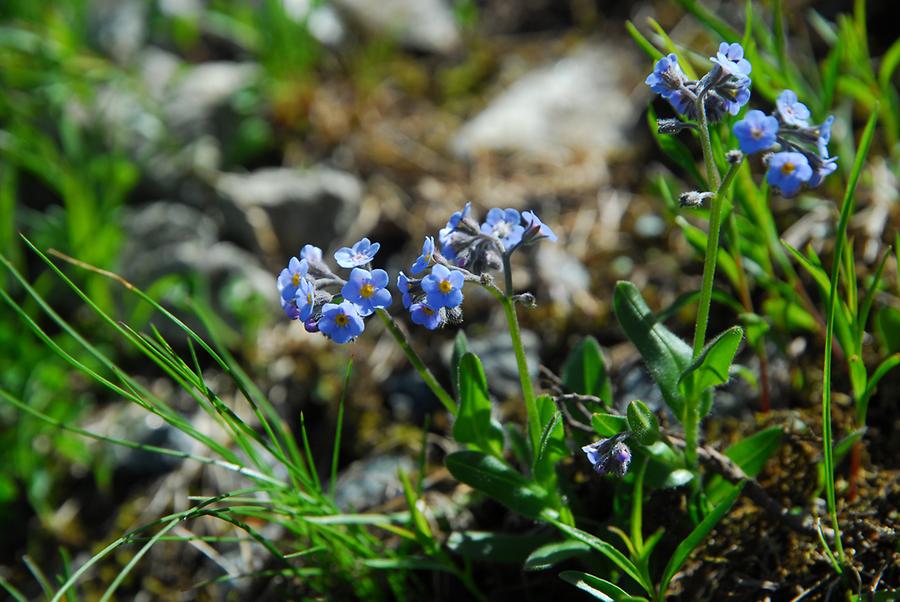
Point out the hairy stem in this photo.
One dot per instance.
(534, 421)
(440, 392)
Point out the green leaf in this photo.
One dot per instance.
(584, 371)
(607, 425)
(842, 447)
(711, 368)
(608, 550)
(474, 424)
(460, 348)
(666, 355)
(887, 325)
(551, 554)
(495, 478)
(696, 537)
(552, 444)
(642, 422)
(597, 587)
(675, 149)
(752, 453)
(486, 546)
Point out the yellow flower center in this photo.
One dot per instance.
(296, 279)
(788, 168)
(445, 286)
(756, 133)
(341, 320)
(427, 310)
(367, 290)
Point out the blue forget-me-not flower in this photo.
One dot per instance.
(367, 290)
(504, 224)
(788, 171)
(358, 255)
(424, 315)
(341, 322)
(426, 258)
(791, 110)
(756, 131)
(443, 287)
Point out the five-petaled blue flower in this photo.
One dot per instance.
(788, 171)
(341, 322)
(426, 258)
(535, 229)
(443, 287)
(756, 132)
(360, 254)
(792, 111)
(504, 224)
(425, 316)
(290, 277)
(731, 58)
(367, 290)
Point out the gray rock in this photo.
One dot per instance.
(170, 238)
(563, 276)
(118, 26)
(578, 103)
(427, 25)
(296, 206)
(199, 90)
(371, 482)
(499, 361)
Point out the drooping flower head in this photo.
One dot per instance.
(535, 229)
(367, 290)
(341, 322)
(311, 253)
(504, 225)
(756, 132)
(790, 110)
(609, 455)
(424, 315)
(443, 287)
(788, 171)
(358, 255)
(667, 77)
(426, 258)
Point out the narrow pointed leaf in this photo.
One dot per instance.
(474, 423)
(495, 478)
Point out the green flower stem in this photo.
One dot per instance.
(440, 392)
(534, 421)
(512, 322)
(691, 419)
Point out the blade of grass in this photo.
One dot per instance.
(847, 207)
(338, 429)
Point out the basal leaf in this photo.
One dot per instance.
(711, 368)
(474, 424)
(497, 479)
(666, 355)
(551, 554)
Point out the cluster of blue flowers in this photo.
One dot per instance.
(802, 158)
(467, 248)
(303, 284)
(726, 86)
